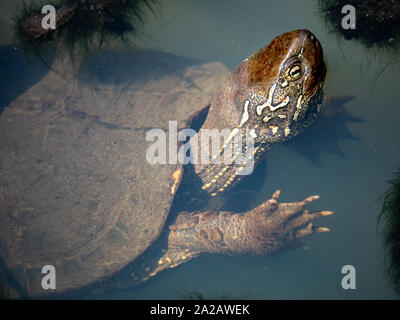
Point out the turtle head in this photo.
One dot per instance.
(283, 92)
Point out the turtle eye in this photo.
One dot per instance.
(295, 72)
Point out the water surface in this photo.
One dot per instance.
(351, 178)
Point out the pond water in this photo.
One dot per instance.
(348, 165)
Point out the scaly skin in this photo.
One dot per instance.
(266, 229)
(277, 93)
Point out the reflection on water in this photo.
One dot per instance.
(326, 134)
(353, 152)
(17, 74)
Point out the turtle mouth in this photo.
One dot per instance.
(309, 110)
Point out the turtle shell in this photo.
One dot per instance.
(76, 190)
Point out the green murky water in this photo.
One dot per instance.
(350, 175)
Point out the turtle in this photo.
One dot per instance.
(79, 193)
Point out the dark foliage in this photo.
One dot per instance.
(389, 218)
(377, 21)
(79, 22)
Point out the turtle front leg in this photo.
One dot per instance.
(272, 226)
(266, 229)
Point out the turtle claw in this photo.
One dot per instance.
(280, 225)
(305, 217)
(310, 229)
(276, 194)
(266, 229)
(300, 234)
(271, 204)
(302, 219)
(308, 200)
(321, 229)
(324, 213)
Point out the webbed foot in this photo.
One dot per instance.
(263, 230)
(273, 226)
(266, 229)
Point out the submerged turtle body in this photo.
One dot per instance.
(78, 193)
(76, 189)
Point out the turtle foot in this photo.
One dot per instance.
(171, 258)
(273, 226)
(266, 229)
(263, 230)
